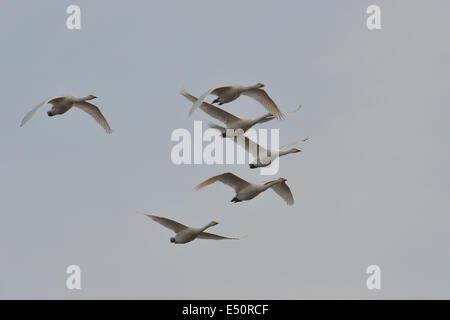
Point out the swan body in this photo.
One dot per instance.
(248, 190)
(230, 93)
(185, 234)
(264, 157)
(62, 104)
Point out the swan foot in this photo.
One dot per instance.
(50, 114)
(252, 166)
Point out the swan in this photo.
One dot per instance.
(62, 104)
(230, 120)
(227, 94)
(248, 190)
(184, 234)
(263, 156)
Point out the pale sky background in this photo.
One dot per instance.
(371, 186)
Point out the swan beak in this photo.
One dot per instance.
(93, 97)
(297, 150)
(283, 179)
(214, 223)
(260, 85)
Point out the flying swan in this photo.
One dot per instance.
(62, 104)
(263, 156)
(230, 120)
(227, 94)
(184, 234)
(248, 190)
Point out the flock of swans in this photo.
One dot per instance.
(245, 190)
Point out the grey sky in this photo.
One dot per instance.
(371, 186)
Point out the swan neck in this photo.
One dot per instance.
(209, 225)
(250, 88)
(82, 99)
(271, 183)
(283, 152)
(259, 119)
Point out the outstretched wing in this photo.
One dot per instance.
(215, 112)
(263, 98)
(168, 223)
(227, 178)
(36, 109)
(250, 146)
(217, 127)
(271, 116)
(282, 189)
(95, 113)
(212, 236)
(215, 91)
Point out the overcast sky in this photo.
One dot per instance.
(371, 186)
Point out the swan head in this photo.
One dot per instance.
(259, 85)
(91, 97)
(295, 150)
(283, 179)
(213, 223)
(172, 239)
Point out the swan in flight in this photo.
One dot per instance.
(62, 104)
(227, 94)
(184, 234)
(263, 156)
(248, 190)
(230, 120)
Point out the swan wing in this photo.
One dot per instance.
(168, 223)
(271, 116)
(227, 178)
(263, 98)
(36, 109)
(95, 113)
(212, 236)
(249, 145)
(216, 91)
(217, 127)
(282, 189)
(215, 112)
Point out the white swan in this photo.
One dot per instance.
(184, 234)
(248, 190)
(230, 120)
(62, 104)
(263, 156)
(227, 94)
